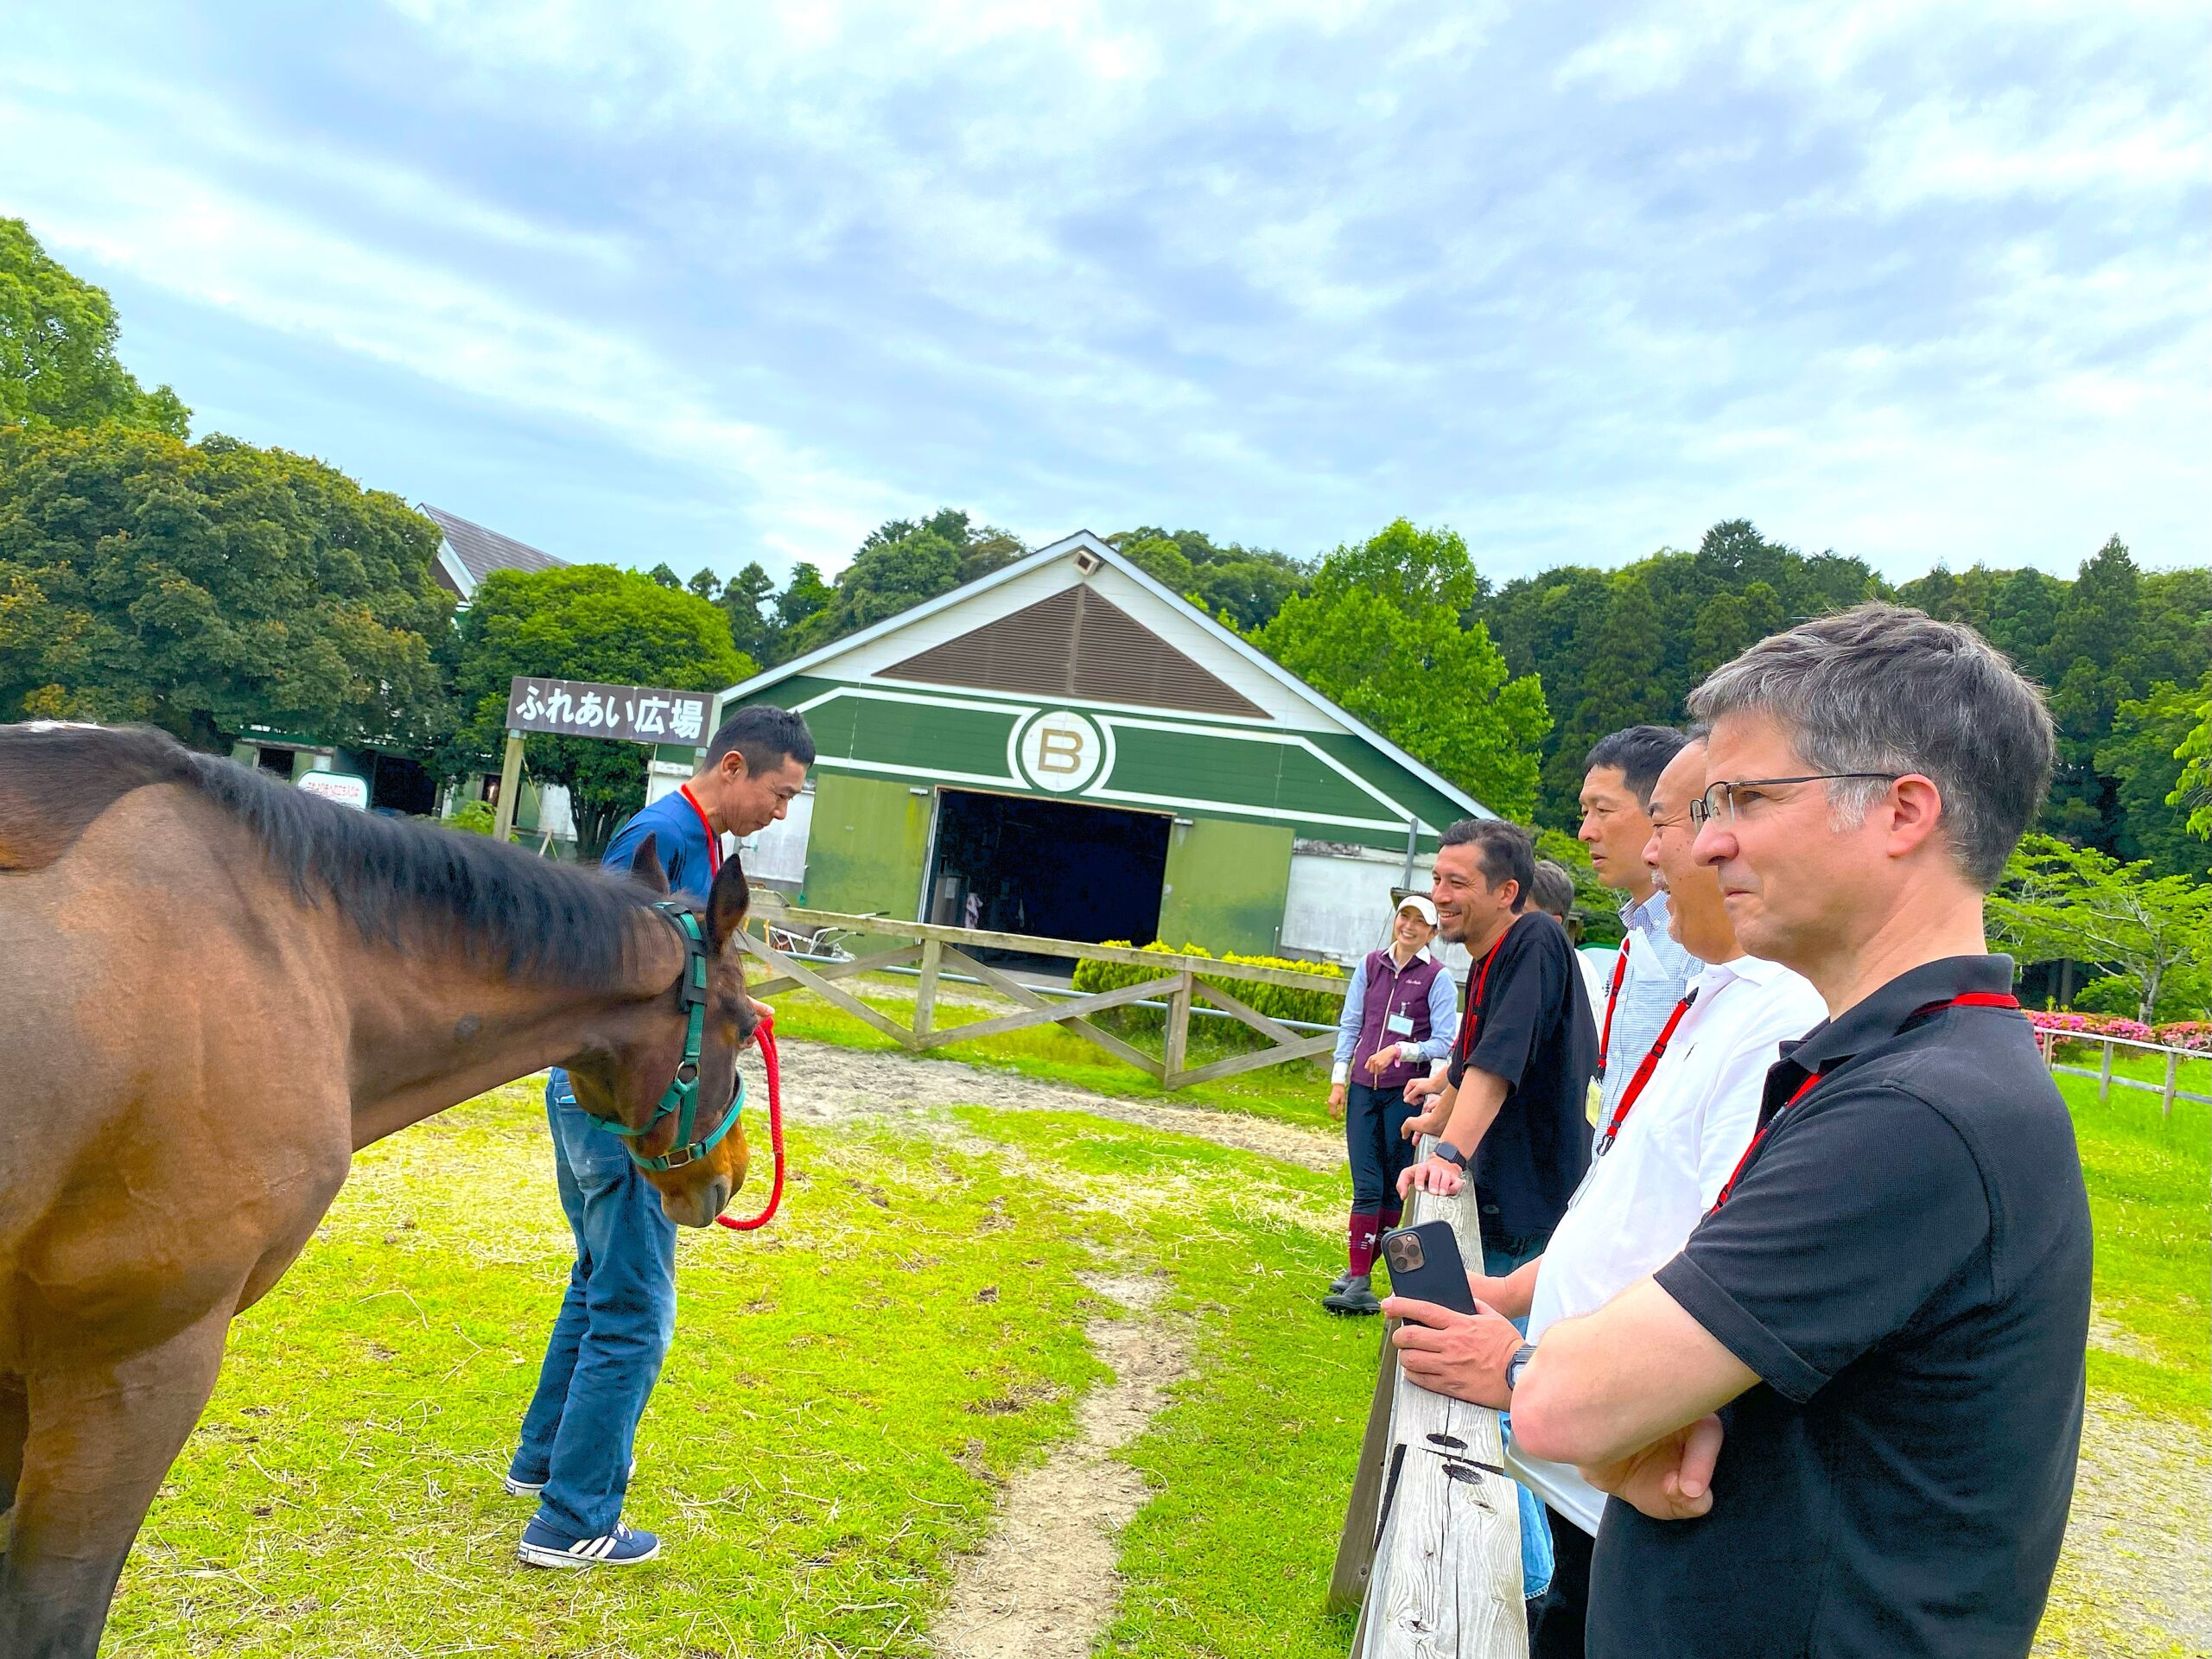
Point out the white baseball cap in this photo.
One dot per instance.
(1419, 905)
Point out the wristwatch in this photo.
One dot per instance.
(1516, 1365)
(1450, 1154)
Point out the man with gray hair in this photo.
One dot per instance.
(1844, 1419)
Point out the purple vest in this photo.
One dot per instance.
(1388, 992)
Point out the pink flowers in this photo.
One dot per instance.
(2193, 1034)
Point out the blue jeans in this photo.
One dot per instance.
(613, 1328)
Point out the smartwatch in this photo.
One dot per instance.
(1518, 1363)
(1450, 1154)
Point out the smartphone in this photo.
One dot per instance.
(1425, 1264)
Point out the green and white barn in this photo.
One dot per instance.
(1066, 748)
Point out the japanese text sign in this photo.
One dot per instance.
(635, 713)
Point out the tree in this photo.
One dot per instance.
(1379, 633)
(666, 577)
(211, 586)
(583, 622)
(805, 596)
(2141, 757)
(2192, 791)
(706, 584)
(742, 597)
(901, 563)
(2059, 901)
(57, 349)
(1243, 587)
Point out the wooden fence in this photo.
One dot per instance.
(937, 950)
(2048, 1042)
(1430, 1552)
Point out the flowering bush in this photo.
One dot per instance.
(2093, 1025)
(2195, 1034)
(1277, 1001)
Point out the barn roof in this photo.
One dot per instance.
(1021, 631)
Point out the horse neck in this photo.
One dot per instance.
(430, 1034)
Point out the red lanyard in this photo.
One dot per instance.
(1968, 999)
(1629, 1095)
(1482, 979)
(714, 841)
(1613, 996)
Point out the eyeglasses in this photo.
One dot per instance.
(1725, 800)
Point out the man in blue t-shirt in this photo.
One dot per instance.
(620, 1312)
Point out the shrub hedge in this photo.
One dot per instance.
(1277, 1001)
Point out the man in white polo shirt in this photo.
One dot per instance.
(1673, 1130)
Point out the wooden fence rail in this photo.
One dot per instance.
(1430, 1552)
(1179, 981)
(2048, 1041)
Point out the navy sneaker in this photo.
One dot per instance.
(624, 1546)
(516, 1487)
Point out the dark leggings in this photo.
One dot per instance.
(1379, 1153)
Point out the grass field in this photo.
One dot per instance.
(848, 1388)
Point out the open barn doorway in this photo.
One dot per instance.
(1020, 864)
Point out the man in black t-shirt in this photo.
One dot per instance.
(1843, 1422)
(1511, 1107)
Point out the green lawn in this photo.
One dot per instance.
(850, 1387)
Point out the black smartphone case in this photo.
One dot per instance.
(1425, 1264)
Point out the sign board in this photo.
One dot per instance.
(342, 787)
(635, 713)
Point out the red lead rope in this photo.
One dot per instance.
(1969, 1000)
(765, 1034)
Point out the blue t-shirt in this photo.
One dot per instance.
(680, 839)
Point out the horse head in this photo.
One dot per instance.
(635, 1069)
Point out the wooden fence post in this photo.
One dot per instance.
(2166, 1104)
(1176, 1045)
(1445, 1581)
(925, 987)
(2104, 1076)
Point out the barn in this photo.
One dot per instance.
(1066, 748)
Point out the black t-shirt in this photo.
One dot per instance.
(1904, 1261)
(1528, 1020)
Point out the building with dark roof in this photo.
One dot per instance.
(467, 552)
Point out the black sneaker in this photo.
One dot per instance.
(1356, 1297)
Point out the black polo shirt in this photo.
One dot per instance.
(1528, 1020)
(1904, 1261)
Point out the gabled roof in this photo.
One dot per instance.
(470, 552)
(1087, 552)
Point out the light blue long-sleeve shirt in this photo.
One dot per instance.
(1443, 1022)
(1658, 972)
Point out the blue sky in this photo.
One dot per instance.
(705, 282)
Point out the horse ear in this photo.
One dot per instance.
(645, 865)
(726, 903)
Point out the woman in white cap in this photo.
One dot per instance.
(1401, 1014)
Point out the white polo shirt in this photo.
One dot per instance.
(1682, 1140)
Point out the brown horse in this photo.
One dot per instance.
(213, 988)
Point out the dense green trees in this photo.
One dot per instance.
(581, 622)
(57, 349)
(211, 586)
(1379, 632)
(1243, 587)
(2059, 901)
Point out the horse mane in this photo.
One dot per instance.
(399, 882)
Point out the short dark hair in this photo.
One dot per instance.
(764, 735)
(1641, 752)
(1552, 889)
(1885, 688)
(1508, 852)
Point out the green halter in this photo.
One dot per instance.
(682, 1095)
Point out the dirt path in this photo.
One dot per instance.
(1045, 1585)
(824, 1083)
